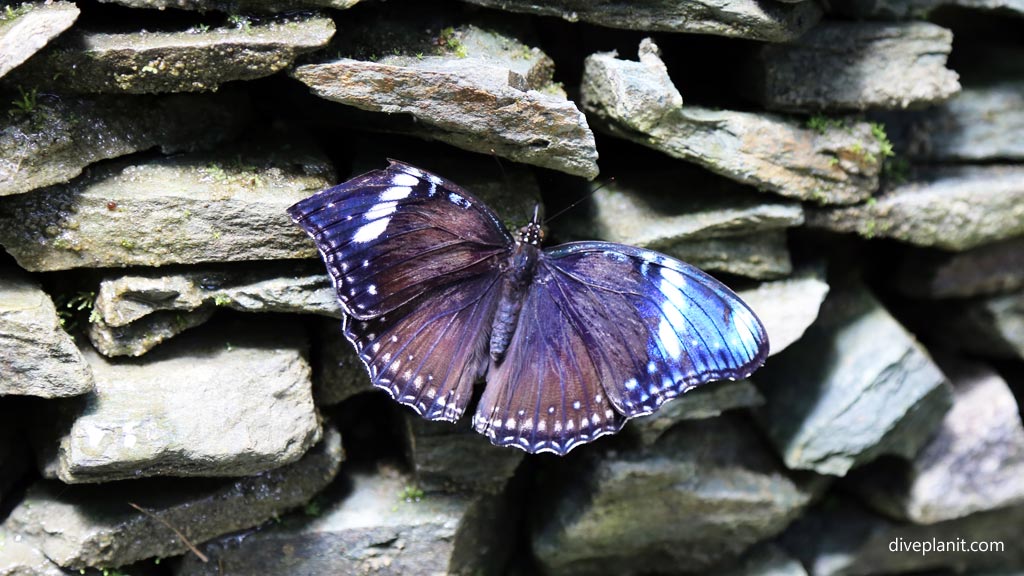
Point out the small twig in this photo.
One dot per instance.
(191, 547)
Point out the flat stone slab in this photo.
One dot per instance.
(19, 558)
(287, 287)
(454, 458)
(143, 335)
(637, 101)
(857, 385)
(224, 402)
(980, 124)
(857, 66)
(984, 428)
(763, 255)
(787, 307)
(94, 526)
(992, 326)
(954, 208)
(237, 6)
(621, 513)
(987, 269)
(56, 140)
(767, 21)
(707, 401)
(842, 539)
(37, 357)
(374, 527)
(29, 27)
(920, 9)
(154, 62)
(493, 94)
(190, 208)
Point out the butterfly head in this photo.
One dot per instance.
(532, 233)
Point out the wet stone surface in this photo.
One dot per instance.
(26, 31)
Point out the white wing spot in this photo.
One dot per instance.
(551, 409)
(372, 290)
(576, 405)
(403, 179)
(631, 384)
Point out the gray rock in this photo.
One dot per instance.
(907, 9)
(338, 372)
(37, 357)
(856, 386)
(992, 326)
(191, 208)
(454, 458)
(83, 526)
(980, 123)
(661, 209)
(59, 137)
(240, 404)
(29, 27)
(292, 287)
(237, 6)
(706, 401)
(764, 255)
(152, 62)
(376, 527)
(954, 208)
(638, 101)
(787, 307)
(143, 335)
(843, 540)
(20, 558)
(983, 428)
(493, 94)
(704, 493)
(766, 560)
(750, 19)
(856, 66)
(988, 269)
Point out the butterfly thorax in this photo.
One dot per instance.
(521, 268)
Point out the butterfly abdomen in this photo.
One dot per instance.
(523, 266)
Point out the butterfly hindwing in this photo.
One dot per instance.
(607, 326)
(389, 235)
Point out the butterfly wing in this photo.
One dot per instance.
(416, 264)
(608, 332)
(390, 235)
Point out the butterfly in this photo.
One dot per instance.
(572, 340)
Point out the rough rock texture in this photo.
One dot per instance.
(454, 458)
(373, 528)
(769, 21)
(295, 287)
(638, 101)
(906, 9)
(80, 526)
(497, 97)
(148, 62)
(954, 208)
(992, 326)
(787, 307)
(237, 6)
(843, 540)
(59, 137)
(143, 335)
(37, 357)
(30, 28)
(706, 401)
(622, 513)
(240, 403)
(988, 269)
(858, 65)
(984, 428)
(147, 212)
(338, 374)
(980, 123)
(20, 558)
(856, 386)
(764, 255)
(660, 209)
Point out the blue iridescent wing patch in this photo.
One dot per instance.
(588, 334)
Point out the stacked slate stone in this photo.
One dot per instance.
(175, 394)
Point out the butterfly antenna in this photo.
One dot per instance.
(577, 202)
(504, 176)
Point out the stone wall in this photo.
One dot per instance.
(176, 397)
